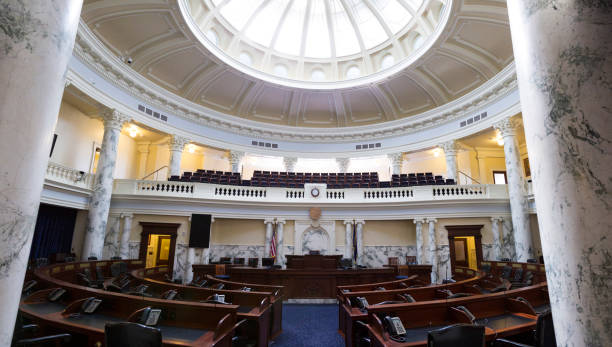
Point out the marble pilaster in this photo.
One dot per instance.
(343, 164)
(563, 56)
(269, 232)
(111, 239)
(396, 159)
(348, 239)
(235, 158)
(176, 146)
(280, 242)
(359, 235)
(134, 249)
(517, 191)
(99, 204)
(443, 254)
(33, 58)
(433, 258)
(451, 148)
(289, 163)
(124, 246)
(497, 250)
(420, 252)
(507, 239)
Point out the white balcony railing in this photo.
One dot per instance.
(57, 173)
(207, 191)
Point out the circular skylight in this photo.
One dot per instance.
(318, 40)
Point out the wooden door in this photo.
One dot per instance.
(461, 252)
(163, 250)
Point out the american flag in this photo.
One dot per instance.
(273, 245)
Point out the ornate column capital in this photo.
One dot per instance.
(280, 221)
(289, 163)
(348, 221)
(127, 215)
(359, 221)
(269, 221)
(431, 220)
(112, 118)
(236, 156)
(177, 143)
(343, 164)
(497, 219)
(67, 83)
(419, 220)
(507, 127)
(450, 147)
(396, 158)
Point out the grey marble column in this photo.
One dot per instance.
(419, 241)
(450, 155)
(99, 204)
(289, 163)
(206, 256)
(34, 54)
(280, 242)
(111, 239)
(563, 54)
(433, 257)
(359, 236)
(348, 241)
(507, 239)
(396, 160)
(343, 164)
(176, 146)
(517, 191)
(124, 247)
(269, 232)
(495, 222)
(235, 158)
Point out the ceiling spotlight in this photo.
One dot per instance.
(129, 60)
(133, 131)
(191, 148)
(437, 152)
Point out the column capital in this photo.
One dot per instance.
(67, 83)
(359, 221)
(450, 147)
(507, 127)
(269, 221)
(419, 220)
(497, 219)
(396, 158)
(348, 221)
(177, 143)
(112, 118)
(289, 163)
(280, 221)
(431, 220)
(343, 164)
(127, 215)
(236, 156)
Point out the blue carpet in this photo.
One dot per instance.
(309, 326)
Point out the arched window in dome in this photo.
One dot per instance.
(317, 75)
(245, 58)
(280, 70)
(212, 36)
(417, 41)
(353, 72)
(387, 61)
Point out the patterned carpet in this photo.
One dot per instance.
(309, 326)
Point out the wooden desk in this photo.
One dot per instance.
(312, 261)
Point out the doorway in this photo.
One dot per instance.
(158, 244)
(465, 246)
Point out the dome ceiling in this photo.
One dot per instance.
(473, 47)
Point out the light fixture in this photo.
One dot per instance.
(500, 141)
(133, 130)
(437, 151)
(191, 148)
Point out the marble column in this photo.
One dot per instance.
(280, 242)
(563, 55)
(205, 256)
(189, 265)
(99, 204)
(176, 146)
(111, 239)
(343, 164)
(450, 149)
(348, 241)
(495, 222)
(124, 247)
(359, 236)
(235, 158)
(143, 153)
(269, 232)
(396, 160)
(289, 163)
(433, 256)
(517, 191)
(33, 60)
(420, 252)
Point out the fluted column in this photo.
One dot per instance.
(348, 241)
(563, 62)
(450, 155)
(32, 65)
(177, 145)
(269, 232)
(359, 236)
(343, 164)
(99, 204)
(111, 239)
(419, 241)
(280, 242)
(433, 254)
(289, 163)
(495, 223)
(523, 244)
(124, 247)
(235, 158)
(396, 160)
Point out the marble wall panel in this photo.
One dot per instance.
(315, 240)
(236, 251)
(133, 249)
(377, 256)
(507, 240)
(444, 265)
(180, 261)
(488, 251)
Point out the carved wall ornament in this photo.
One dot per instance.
(315, 213)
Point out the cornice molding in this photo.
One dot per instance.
(89, 50)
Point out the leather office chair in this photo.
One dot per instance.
(457, 335)
(411, 259)
(238, 261)
(393, 261)
(24, 335)
(131, 335)
(544, 335)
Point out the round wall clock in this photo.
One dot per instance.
(314, 192)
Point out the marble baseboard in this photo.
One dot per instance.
(377, 256)
(311, 301)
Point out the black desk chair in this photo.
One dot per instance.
(457, 335)
(544, 335)
(131, 335)
(25, 335)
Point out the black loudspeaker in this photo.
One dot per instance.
(199, 235)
